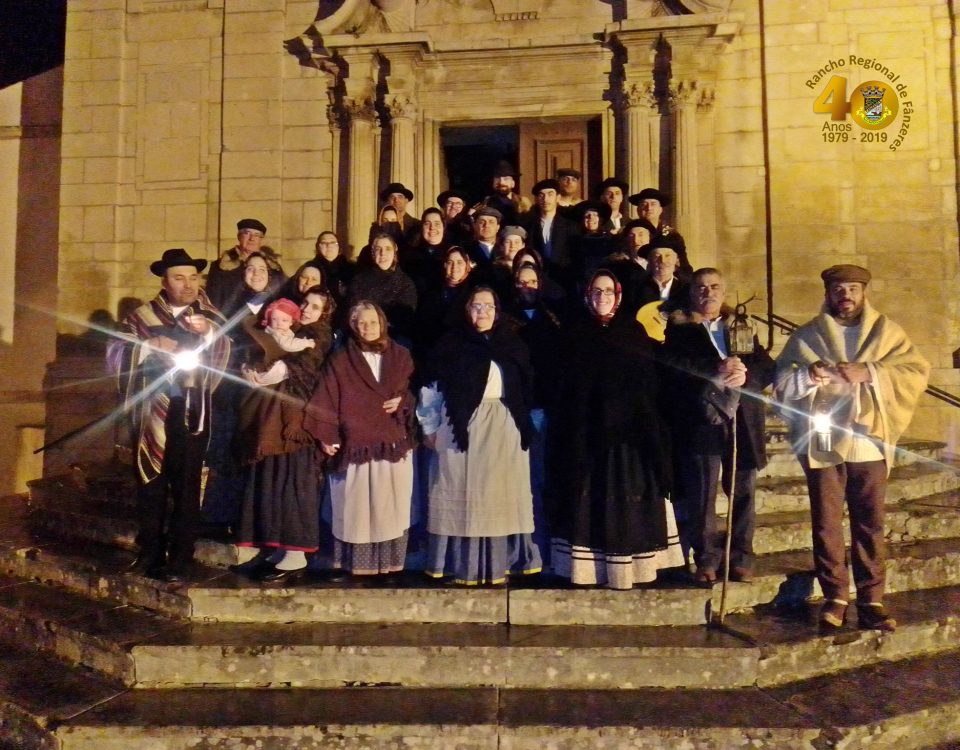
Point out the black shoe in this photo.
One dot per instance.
(336, 575)
(272, 575)
(875, 617)
(252, 568)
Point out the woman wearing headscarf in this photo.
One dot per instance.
(338, 272)
(280, 519)
(309, 275)
(442, 307)
(475, 413)
(422, 259)
(362, 414)
(387, 286)
(609, 467)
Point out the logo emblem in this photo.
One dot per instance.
(873, 105)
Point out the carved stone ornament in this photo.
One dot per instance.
(689, 94)
(516, 10)
(640, 95)
(359, 109)
(401, 105)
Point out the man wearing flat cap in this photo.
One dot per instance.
(397, 196)
(848, 382)
(486, 226)
(168, 366)
(225, 277)
(650, 203)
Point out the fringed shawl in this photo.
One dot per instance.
(881, 409)
(143, 375)
(459, 364)
(347, 407)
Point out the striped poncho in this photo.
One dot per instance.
(146, 377)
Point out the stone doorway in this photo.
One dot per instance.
(470, 154)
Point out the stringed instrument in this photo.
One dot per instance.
(653, 320)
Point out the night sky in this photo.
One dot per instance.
(31, 38)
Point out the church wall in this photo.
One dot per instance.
(182, 117)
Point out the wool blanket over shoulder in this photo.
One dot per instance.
(881, 409)
(145, 377)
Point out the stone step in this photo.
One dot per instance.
(216, 595)
(782, 520)
(910, 482)
(932, 517)
(783, 463)
(907, 705)
(759, 648)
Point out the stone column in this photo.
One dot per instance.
(334, 120)
(362, 179)
(643, 136)
(684, 99)
(402, 158)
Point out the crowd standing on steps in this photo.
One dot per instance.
(522, 386)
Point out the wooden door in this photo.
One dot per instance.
(547, 147)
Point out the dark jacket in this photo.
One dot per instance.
(699, 410)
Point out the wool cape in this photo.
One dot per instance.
(881, 409)
(347, 406)
(271, 417)
(142, 375)
(459, 364)
(608, 462)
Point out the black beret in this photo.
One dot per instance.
(251, 224)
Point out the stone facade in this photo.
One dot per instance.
(182, 116)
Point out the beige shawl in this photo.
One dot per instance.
(881, 409)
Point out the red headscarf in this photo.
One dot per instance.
(617, 297)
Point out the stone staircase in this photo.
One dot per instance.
(99, 659)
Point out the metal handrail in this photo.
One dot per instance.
(788, 326)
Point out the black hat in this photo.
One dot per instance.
(844, 273)
(447, 194)
(611, 182)
(251, 224)
(568, 172)
(548, 184)
(175, 257)
(603, 209)
(650, 194)
(505, 169)
(395, 187)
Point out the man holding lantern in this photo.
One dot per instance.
(848, 383)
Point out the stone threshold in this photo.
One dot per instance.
(907, 705)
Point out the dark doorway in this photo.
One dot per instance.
(471, 153)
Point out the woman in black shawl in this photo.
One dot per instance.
(386, 285)
(610, 470)
(475, 414)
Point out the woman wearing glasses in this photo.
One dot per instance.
(475, 414)
(609, 518)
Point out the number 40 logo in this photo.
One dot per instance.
(873, 105)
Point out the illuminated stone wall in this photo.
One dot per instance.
(182, 116)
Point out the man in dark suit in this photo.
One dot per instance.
(708, 387)
(549, 233)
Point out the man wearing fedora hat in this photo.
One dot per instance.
(457, 226)
(505, 199)
(397, 196)
(849, 381)
(225, 277)
(168, 399)
(569, 181)
(650, 203)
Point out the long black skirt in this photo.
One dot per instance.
(281, 503)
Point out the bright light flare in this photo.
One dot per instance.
(822, 423)
(187, 360)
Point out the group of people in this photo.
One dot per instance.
(506, 388)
